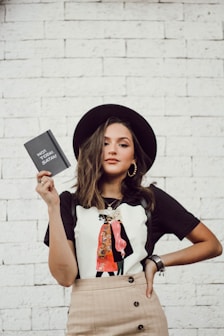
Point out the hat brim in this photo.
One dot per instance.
(98, 115)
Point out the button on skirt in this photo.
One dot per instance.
(115, 306)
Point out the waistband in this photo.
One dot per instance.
(110, 282)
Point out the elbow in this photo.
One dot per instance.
(65, 283)
(216, 249)
(219, 249)
(63, 279)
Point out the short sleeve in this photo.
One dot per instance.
(169, 216)
(66, 215)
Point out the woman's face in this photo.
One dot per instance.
(118, 150)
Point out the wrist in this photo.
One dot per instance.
(53, 209)
(158, 262)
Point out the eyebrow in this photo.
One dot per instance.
(120, 138)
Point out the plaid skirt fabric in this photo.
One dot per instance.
(115, 306)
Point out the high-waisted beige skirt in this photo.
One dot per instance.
(115, 306)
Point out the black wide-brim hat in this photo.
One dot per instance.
(98, 115)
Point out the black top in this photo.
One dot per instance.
(168, 217)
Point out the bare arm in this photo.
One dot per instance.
(62, 260)
(204, 246)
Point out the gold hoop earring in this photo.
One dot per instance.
(134, 171)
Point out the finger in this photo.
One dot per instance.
(149, 289)
(41, 174)
(47, 184)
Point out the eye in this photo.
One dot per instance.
(124, 145)
(106, 143)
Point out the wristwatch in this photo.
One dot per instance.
(158, 261)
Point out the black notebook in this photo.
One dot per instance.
(46, 153)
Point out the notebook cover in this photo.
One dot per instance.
(46, 153)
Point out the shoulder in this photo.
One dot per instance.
(67, 199)
(162, 198)
(67, 196)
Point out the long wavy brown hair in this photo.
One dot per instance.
(90, 172)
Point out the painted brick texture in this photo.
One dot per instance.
(58, 59)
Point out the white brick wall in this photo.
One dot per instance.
(60, 58)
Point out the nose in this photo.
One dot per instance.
(112, 149)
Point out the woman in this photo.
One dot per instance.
(101, 238)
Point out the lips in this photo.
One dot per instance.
(111, 160)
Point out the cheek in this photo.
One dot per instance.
(130, 156)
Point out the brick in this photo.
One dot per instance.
(180, 332)
(194, 106)
(197, 316)
(158, 12)
(205, 49)
(73, 106)
(32, 88)
(26, 253)
(96, 11)
(16, 275)
(208, 166)
(54, 318)
(176, 296)
(9, 148)
(35, 333)
(205, 87)
(212, 127)
(194, 30)
(3, 210)
(34, 49)
(192, 68)
(20, 107)
(210, 331)
(2, 52)
(147, 106)
(180, 146)
(42, 274)
(172, 126)
(2, 128)
(212, 208)
(26, 210)
(156, 86)
(133, 67)
(199, 187)
(17, 319)
(34, 12)
(156, 48)
(210, 295)
(96, 86)
(216, 226)
(95, 48)
(193, 1)
(2, 13)
(52, 123)
(21, 31)
(207, 13)
(13, 232)
(22, 127)
(27, 296)
(78, 67)
(20, 69)
(164, 167)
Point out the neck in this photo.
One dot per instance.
(111, 190)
